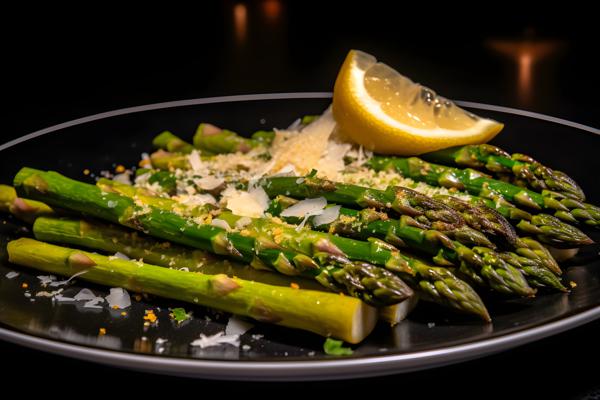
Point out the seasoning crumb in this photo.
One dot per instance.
(24, 285)
(124, 313)
(137, 297)
(246, 347)
(573, 284)
(86, 171)
(294, 285)
(431, 324)
(102, 332)
(150, 317)
(120, 169)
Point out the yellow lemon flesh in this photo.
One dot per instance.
(388, 113)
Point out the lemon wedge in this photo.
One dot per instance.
(386, 112)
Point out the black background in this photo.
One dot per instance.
(64, 64)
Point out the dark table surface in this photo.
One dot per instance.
(69, 67)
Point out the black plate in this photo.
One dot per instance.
(428, 338)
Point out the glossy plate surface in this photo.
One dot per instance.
(427, 339)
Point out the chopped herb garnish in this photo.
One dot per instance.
(335, 348)
(179, 314)
(165, 179)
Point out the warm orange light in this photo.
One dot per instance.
(525, 53)
(524, 79)
(272, 10)
(240, 22)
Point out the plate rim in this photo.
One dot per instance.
(293, 370)
(269, 96)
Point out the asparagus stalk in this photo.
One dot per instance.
(323, 313)
(519, 169)
(304, 241)
(496, 273)
(536, 264)
(546, 228)
(476, 183)
(529, 248)
(537, 257)
(403, 201)
(456, 293)
(170, 142)
(167, 161)
(24, 209)
(265, 137)
(375, 285)
(539, 254)
(216, 140)
(112, 239)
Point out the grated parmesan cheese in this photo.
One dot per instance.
(195, 160)
(242, 222)
(303, 150)
(46, 279)
(209, 182)
(328, 215)
(124, 178)
(252, 203)
(119, 255)
(216, 340)
(332, 160)
(307, 207)
(221, 223)
(12, 274)
(118, 298)
(237, 326)
(195, 200)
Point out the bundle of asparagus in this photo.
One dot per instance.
(519, 169)
(485, 215)
(373, 245)
(558, 230)
(324, 313)
(114, 239)
(566, 208)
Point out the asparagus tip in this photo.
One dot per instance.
(209, 129)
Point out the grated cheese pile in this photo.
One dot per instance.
(304, 149)
(216, 340)
(214, 182)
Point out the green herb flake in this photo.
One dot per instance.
(179, 314)
(334, 348)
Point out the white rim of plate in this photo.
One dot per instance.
(294, 370)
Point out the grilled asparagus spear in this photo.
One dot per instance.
(566, 208)
(518, 169)
(375, 285)
(458, 294)
(326, 314)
